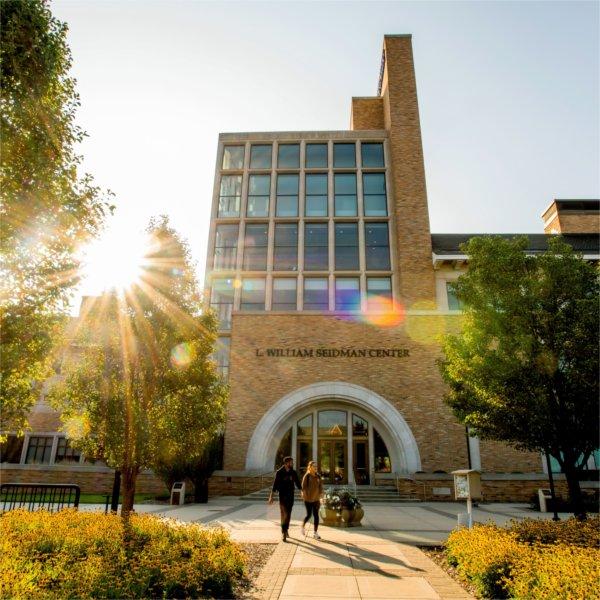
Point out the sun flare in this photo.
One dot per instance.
(114, 261)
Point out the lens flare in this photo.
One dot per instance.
(384, 312)
(182, 355)
(76, 427)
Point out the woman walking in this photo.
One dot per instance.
(312, 490)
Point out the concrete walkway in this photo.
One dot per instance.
(376, 561)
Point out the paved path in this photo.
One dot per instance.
(379, 560)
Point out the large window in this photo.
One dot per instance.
(233, 157)
(333, 423)
(347, 293)
(374, 195)
(226, 241)
(377, 247)
(11, 448)
(379, 294)
(288, 156)
(221, 301)
(284, 294)
(316, 156)
(253, 294)
(285, 255)
(316, 247)
(65, 453)
(372, 155)
(255, 247)
(346, 247)
(344, 185)
(453, 302)
(287, 196)
(221, 356)
(230, 194)
(316, 195)
(382, 461)
(259, 188)
(316, 293)
(260, 156)
(344, 155)
(39, 450)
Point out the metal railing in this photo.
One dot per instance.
(39, 496)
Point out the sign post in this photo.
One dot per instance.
(467, 485)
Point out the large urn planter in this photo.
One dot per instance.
(340, 508)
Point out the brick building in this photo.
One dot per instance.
(331, 292)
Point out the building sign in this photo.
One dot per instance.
(347, 352)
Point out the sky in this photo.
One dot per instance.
(508, 92)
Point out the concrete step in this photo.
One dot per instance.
(366, 494)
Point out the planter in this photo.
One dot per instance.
(345, 518)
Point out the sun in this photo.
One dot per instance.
(114, 261)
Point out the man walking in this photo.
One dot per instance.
(285, 480)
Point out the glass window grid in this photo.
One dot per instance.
(330, 170)
(284, 199)
(256, 197)
(39, 450)
(256, 246)
(253, 294)
(316, 249)
(284, 295)
(65, 453)
(229, 203)
(226, 247)
(285, 255)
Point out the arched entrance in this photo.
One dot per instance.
(351, 431)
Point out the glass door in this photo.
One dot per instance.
(332, 461)
(361, 462)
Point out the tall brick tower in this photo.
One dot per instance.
(396, 110)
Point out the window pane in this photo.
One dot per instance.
(316, 195)
(287, 196)
(233, 157)
(221, 356)
(453, 302)
(374, 194)
(377, 246)
(39, 450)
(332, 423)
(284, 294)
(360, 427)
(316, 293)
(288, 156)
(229, 198)
(10, 449)
(221, 301)
(285, 256)
(347, 293)
(316, 184)
(226, 246)
(305, 427)
(65, 453)
(383, 464)
(316, 247)
(255, 247)
(344, 155)
(346, 246)
(259, 188)
(316, 206)
(372, 155)
(260, 156)
(345, 194)
(379, 293)
(316, 155)
(253, 294)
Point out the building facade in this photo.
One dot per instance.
(331, 293)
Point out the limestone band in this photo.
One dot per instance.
(333, 352)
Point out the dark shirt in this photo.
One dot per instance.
(284, 483)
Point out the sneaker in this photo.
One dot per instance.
(317, 536)
(303, 531)
(284, 536)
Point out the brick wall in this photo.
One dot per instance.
(366, 114)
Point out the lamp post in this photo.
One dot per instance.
(551, 480)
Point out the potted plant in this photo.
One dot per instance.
(341, 508)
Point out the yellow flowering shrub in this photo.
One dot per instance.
(74, 554)
(529, 560)
(559, 571)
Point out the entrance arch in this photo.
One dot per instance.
(390, 424)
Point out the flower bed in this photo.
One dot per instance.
(73, 554)
(530, 559)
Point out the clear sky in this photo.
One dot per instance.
(508, 95)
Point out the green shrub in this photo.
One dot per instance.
(73, 554)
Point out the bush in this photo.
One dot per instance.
(73, 554)
(530, 559)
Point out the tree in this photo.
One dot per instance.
(198, 468)
(47, 210)
(524, 369)
(142, 386)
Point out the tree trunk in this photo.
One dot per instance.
(129, 477)
(200, 489)
(575, 495)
